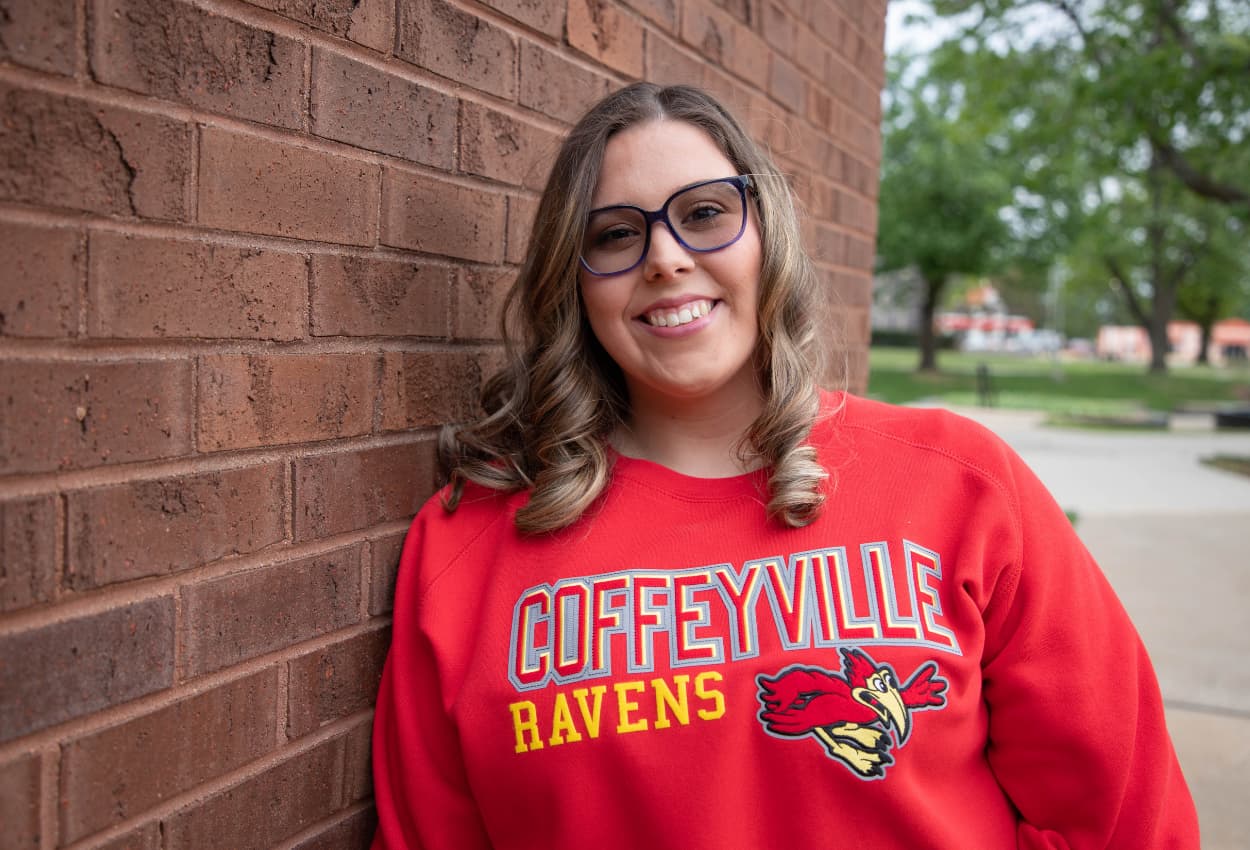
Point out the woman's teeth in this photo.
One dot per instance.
(687, 313)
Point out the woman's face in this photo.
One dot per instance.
(682, 325)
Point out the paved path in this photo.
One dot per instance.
(1173, 536)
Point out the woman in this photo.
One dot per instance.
(676, 596)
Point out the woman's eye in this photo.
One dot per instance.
(702, 214)
(612, 235)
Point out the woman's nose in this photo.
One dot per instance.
(666, 256)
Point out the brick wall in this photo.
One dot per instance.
(250, 256)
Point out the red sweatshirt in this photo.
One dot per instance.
(936, 662)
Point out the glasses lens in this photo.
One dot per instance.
(614, 239)
(708, 217)
(704, 218)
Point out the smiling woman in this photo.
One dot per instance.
(676, 595)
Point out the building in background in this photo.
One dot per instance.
(1230, 342)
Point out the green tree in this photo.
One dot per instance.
(1168, 78)
(1220, 280)
(940, 194)
(1120, 118)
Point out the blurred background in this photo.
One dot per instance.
(1062, 254)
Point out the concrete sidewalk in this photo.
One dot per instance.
(1172, 536)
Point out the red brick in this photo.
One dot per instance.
(860, 253)
(251, 400)
(357, 777)
(65, 415)
(261, 812)
(668, 66)
(146, 837)
(384, 567)
(61, 670)
(709, 31)
(39, 273)
(28, 533)
(372, 109)
(19, 802)
(347, 491)
(458, 45)
(367, 296)
(334, 682)
(496, 145)
(829, 245)
(819, 106)
(236, 617)
(260, 186)
(167, 525)
(778, 28)
(354, 832)
(542, 15)
(554, 86)
(39, 35)
(480, 295)
(65, 152)
(749, 57)
(425, 388)
(853, 289)
(663, 13)
(426, 214)
(178, 52)
(809, 53)
(145, 287)
(600, 30)
(110, 775)
(367, 22)
(785, 84)
(521, 213)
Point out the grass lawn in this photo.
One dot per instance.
(1085, 388)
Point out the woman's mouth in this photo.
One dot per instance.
(672, 317)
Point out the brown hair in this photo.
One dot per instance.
(551, 408)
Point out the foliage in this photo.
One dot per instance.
(940, 192)
(1126, 124)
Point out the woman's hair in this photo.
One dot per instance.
(551, 408)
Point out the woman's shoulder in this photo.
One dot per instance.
(447, 527)
(927, 430)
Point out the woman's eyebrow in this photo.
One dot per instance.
(667, 197)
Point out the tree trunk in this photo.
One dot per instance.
(928, 339)
(1207, 325)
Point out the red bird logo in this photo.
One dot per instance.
(853, 714)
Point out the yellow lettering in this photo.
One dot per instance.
(703, 692)
(562, 726)
(625, 705)
(525, 719)
(666, 701)
(591, 717)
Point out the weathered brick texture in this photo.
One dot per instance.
(252, 257)
(46, 265)
(60, 415)
(106, 775)
(69, 668)
(144, 287)
(174, 523)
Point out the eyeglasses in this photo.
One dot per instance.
(705, 217)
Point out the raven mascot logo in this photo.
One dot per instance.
(853, 714)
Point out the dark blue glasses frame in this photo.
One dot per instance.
(741, 182)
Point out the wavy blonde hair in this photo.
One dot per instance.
(552, 407)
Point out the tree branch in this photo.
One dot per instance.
(1126, 289)
(1197, 182)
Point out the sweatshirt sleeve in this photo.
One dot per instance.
(1077, 735)
(422, 792)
